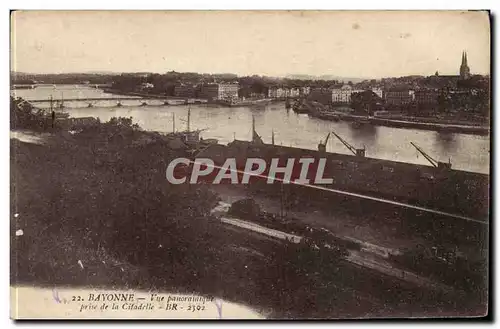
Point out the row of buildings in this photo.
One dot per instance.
(230, 91)
(393, 97)
(209, 91)
(392, 92)
(451, 91)
(338, 94)
(341, 95)
(285, 92)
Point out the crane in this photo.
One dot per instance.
(322, 146)
(355, 151)
(434, 162)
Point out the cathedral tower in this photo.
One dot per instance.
(464, 68)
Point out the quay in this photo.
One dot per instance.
(399, 123)
(467, 129)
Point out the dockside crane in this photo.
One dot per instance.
(322, 146)
(434, 162)
(355, 151)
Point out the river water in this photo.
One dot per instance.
(466, 152)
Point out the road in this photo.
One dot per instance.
(363, 258)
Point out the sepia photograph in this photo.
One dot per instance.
(225, 164)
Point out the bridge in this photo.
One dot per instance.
(90, 99)
(138, 101)
(173, 100)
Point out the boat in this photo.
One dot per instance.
(57, 112)
(23, 86)
(299, 106)
(61, 115)
(226, 102)
(191, 138)
(288, 105)
(360, 122)
(60, 109)
(326, 115)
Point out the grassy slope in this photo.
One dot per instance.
(101, 198)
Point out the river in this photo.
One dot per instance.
(466, 152)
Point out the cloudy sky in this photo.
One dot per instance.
(349, 44)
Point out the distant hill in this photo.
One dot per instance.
(60, 78)
(14, 73)
(323, 77)
(216, 75)
(103, 72)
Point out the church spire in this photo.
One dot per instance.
(464, 68)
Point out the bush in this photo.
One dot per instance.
(24, 116)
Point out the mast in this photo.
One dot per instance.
(255, 137)
(189, 119)
(173, 122)
(282, 202)
(253, 128)
(272, 140)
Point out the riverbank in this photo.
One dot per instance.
(407, 122)
(132, 93)
(250, 102)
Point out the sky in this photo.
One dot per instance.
(358, 44)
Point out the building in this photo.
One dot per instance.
(464, 68)
(304, 91)
(460, 99)
(276, 92)
(426, 97)
(343, 94)
(321, 95)
(293, 92)
(228, 91)
(443, 81)
(145, 86)
(219, 91)
(185, 90)
(451, 81)
(283, 92)
(379, 92)
(398, 96)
